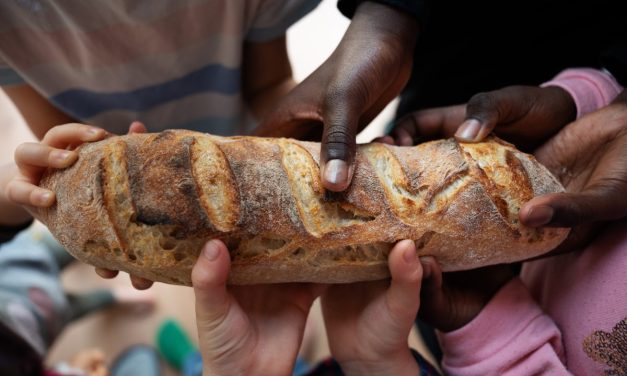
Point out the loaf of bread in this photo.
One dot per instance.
(146, 204)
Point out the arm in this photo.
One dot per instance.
(488, 323)
(267, 75)
(511, 335)
(39, 114)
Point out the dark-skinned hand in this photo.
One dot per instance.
(589, 156)
(366, 71)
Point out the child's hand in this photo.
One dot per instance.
(247, 330)
(450, 301)
(587, 155)
(368, 323)
(54, 151)
(524, 115)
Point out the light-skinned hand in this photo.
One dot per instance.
(247, 330)
(368, 323)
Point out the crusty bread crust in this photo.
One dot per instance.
(146, 203)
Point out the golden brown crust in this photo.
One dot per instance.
(146, 204)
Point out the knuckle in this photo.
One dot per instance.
(338, 134)
(10, 191)
(482, 102)
(338, 143)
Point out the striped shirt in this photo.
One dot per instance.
(168, 63)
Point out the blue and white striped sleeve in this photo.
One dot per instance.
(8, 76)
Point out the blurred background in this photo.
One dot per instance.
(310, 42)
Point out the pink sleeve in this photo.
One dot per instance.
(591, 89)
(511, 336)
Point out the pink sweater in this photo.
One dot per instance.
(566, 314)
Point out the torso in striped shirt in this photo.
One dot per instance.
(168, 63)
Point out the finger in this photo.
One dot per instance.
(72, 134)
(384, 140)
(405, 133)
(32, 158)
(597, 203)
(342, 109)
(140, 283)
(209, 277)
(432, 275)
(428, 124)
(482, 114)
(137, 127)
(106, 273)
(403, 295)
(25, 193)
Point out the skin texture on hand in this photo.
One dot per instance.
(589, 156)
(247, 330)
(452, 300)
(367, 70)
(524, 115)
(54, 151)
(368, 323)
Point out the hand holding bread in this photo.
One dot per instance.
(147, 203)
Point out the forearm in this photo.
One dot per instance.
(590, 89)
(38, 113)
(267, 75)
(511, 334)
(263, 101)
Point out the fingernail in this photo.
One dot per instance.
(211, 250)
(469, 130)
(61, 155)
(410, 255)
(539, 216)
(44, 198)
(93, 131)
(426, 268)
(336, 172)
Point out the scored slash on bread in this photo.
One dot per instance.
(147, 203)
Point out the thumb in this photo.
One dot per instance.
(403, 295)
(596, 203)
(209, 277)
(337, 151)
(482, 114)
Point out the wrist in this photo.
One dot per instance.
(589, 89)
(402, 363)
